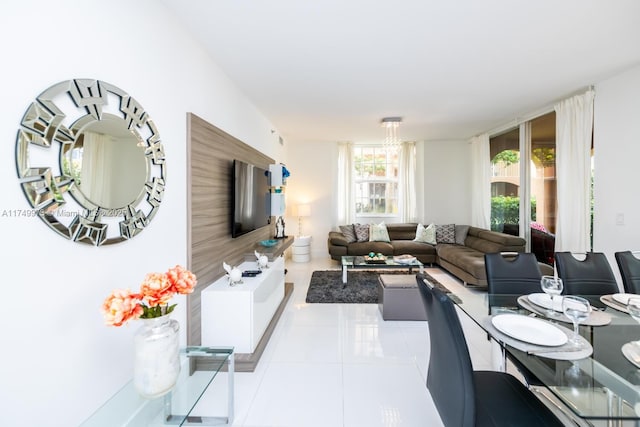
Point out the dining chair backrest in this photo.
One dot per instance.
(517, 274)
(629, 267)
(590, 276)
(450, 376)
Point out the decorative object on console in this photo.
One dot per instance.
(268, 243)
(156, 364)
(65, 128)
(280, 228)
(262, 260)
(233, 273)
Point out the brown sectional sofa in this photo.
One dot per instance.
(463, 261)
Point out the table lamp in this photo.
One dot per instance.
(303, 210)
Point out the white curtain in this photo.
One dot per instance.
(480, 182)
(345, 189)
(407, 183)
(574, 124)
(97, 161)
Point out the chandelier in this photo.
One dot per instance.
(391, 124)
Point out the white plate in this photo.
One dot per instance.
(529, 329)
(632, 353)
(624, 298)
(544, 300)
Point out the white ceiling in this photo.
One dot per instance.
(329, 70)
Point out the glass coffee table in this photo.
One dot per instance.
(358, 262)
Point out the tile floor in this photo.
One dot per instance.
(335, 365)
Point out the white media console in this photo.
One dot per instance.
(238, 315)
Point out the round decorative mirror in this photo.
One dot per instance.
(90, 162)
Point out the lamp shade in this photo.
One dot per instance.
(304, 210)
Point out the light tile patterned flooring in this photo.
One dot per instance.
(334, 365)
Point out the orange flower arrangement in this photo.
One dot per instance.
(156, 291)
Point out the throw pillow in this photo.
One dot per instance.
(349, 233)
(378, 233)
(362, 232)
(426, 234)
(461, 233)
(446, 233)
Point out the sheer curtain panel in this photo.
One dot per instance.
(407, 182)
(345, 191)
(574, 124)
(480, 182)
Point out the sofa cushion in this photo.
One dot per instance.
(446, 233)
(402, 247)
(461, 233)
(362, 232)
(363, 248)
(378, 233)
(426, 234)
(467, 259)
(404, 231)
(493, 241)
(349, 233)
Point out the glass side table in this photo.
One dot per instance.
(199, 367)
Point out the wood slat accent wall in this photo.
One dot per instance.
(210, 155)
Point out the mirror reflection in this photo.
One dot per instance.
(107, 163)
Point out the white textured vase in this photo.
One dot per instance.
(157, 363)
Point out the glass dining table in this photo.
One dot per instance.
(604, 385)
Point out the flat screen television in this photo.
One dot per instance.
(250, 198)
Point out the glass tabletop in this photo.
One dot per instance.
(603, 386)
(361, 262)
(199, 367)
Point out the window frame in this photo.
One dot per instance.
(358, 179)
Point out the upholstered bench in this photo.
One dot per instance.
(398, 297)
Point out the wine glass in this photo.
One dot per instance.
(634, 308)
(577, 309)
(551, 286)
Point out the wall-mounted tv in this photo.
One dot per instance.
(250, 198)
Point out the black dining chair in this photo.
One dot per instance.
(512, 274)
(590, 276)
(509, 276)
(629, 267)
(468, 398)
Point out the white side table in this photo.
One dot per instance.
(301, 249)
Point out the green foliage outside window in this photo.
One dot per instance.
(508, 157)
(506, 210)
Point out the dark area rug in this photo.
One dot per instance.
(361, 287)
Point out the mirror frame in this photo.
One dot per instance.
(52, 121)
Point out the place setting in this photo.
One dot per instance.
(551, 304)
(542, 338)
(618, 302)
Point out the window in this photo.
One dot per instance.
(376, 181)
(537, 186)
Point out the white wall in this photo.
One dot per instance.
(314, 169)
(616, 159)
(59, 362)
(447, 182)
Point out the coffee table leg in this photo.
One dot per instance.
(344, 274)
